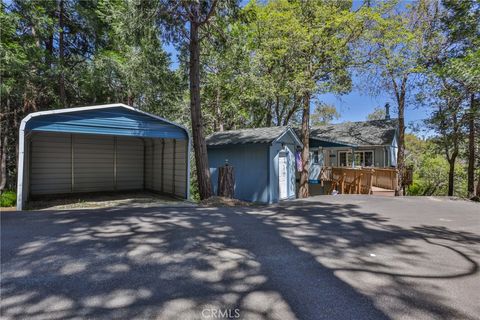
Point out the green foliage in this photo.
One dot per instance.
(259, 64)
(8, 199)
(323, 114)
(378, 113)
(431, 178)
(431, 169)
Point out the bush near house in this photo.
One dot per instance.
(8, 199)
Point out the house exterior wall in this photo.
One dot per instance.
(381, 155)
(251, 169)
(256, 168)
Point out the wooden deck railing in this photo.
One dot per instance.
(359, 180)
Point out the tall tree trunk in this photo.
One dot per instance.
(30, 95)
(268, 120)
(199, 144)
(130, 99)
(303, 191)
(478, 187)
(451, 174)
(401, 137)
(61, 53)
(218, 111)
(277, 111)
(3, 164)
(290, 112)
(16, 124)
(3, 147)
(471, 147)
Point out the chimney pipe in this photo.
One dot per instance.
(387, 111)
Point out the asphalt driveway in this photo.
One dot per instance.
(344, 257)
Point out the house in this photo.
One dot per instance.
(263, 160)
(365, 143)
(101, 148)
(256, 155)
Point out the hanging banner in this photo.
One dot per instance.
(298, 161)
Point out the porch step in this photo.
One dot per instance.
(376, 191)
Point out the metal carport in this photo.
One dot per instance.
(101, 148)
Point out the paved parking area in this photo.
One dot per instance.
(343, 257)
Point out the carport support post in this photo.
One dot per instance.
(29, 167)
(72, 168)
(174, 157)
(163, 160)
(21, 165)
(114, 163)
(153, 164)
(188, 167)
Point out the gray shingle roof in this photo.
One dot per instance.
(375, 132)
(255, 135)
(367, 133)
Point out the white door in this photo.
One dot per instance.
(282, 175)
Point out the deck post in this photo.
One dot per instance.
(371, 181)
(359, 183)
(353, 157)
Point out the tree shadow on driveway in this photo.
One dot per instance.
(300, 260)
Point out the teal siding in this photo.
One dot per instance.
(250, 162)
(256, 168)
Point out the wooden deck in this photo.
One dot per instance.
(375, 181)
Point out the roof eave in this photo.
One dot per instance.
(294, 135)
(346, 144)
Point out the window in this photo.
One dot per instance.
(362, 158)
(368, 159)
(316, 157)
(342, 159)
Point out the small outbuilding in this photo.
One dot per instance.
(263, 160)
(111, 147)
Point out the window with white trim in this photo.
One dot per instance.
(362, 158)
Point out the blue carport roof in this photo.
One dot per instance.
(109, 120)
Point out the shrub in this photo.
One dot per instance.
(8, 199)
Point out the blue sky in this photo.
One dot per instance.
(356, 105)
